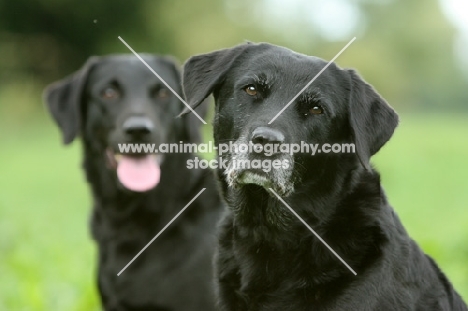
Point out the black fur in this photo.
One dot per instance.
(269, 261)
(174, 273)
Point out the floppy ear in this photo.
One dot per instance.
(190, 126)
(202, 73)
(371, 119)
(193, 125)
(63, 100)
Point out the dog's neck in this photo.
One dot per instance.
(315, 199)
(264, 224)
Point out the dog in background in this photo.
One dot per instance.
(113, 100)
(268, 260)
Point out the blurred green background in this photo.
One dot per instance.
(412, 51)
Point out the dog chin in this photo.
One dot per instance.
(251, 177)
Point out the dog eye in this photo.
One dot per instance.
(161, 93)
(316, 110)
(110, 93)
(251, 90)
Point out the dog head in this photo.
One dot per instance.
(116, 100)
(252, 83)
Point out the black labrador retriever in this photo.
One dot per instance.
(114, 100)
(267, 258)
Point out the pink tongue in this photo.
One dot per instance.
(138, 174)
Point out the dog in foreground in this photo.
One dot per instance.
(114, 100)
(267, 259)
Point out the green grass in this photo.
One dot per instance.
(424, 171)
(48, 259)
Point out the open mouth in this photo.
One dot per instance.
(136, 172)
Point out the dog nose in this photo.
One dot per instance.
(138, 126)
(266, 135)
